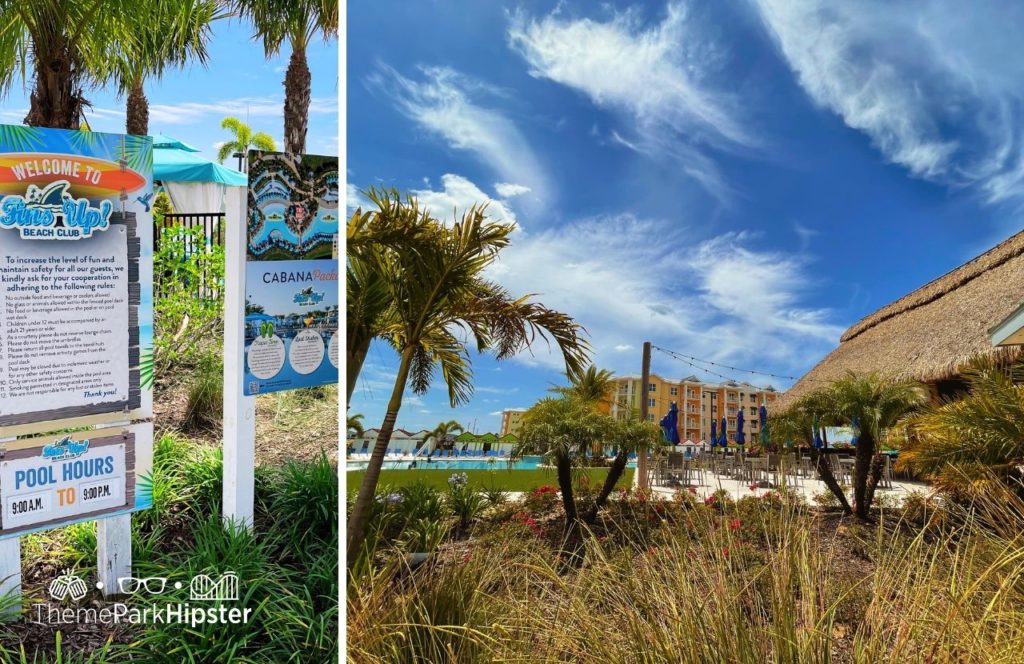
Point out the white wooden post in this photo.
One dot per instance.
(239, 410)
(113, 552)
(10, 576)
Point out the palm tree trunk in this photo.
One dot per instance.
(865, 450)
(355, 355)
(137, 111)
(825, 473)
(297, 92)
(874, 475)
(367, 490)
(614, 473)
(56, 100)
(564, 468)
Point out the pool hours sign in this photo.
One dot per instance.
(67, 479)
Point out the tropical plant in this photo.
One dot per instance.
(630, 436)
(170, 33)
(562, 430)
(797, 426)
(243, 139)
(440, 435)
(396, 225)
(875, 403)
(434, 292)
(63, 48)
(297, 22)
(354, 426)
(594, 386)
(965, 440)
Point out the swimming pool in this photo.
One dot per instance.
(524, 463)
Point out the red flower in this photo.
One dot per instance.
(465, 557)
(753, 487)
(710, 500)
(734, 524)
(725, 551)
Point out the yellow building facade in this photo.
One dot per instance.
(698, 403)
(511, 421)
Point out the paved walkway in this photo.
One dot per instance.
(706, 483)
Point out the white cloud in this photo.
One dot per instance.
(625, 278)
(933, 86)
(457, 195)
(656, 75)
(508, 189)
(188, 112)
(451, 105)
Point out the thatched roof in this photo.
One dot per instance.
(931, 333)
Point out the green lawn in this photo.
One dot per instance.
(500, 478)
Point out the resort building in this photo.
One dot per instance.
(405, 441)
(929, 334)
(511, 420)
(698, 403)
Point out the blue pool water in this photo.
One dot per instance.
(525, 463)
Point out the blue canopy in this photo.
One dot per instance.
(723, 437)
(714, 433)
(818, 442)
(668, 425)
(741, 438)
(856, 431)
(175, 161)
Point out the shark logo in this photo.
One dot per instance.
(307, 297)
(52, 213)
(65, 448)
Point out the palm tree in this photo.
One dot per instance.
(297, 22)
(965, 441)
(594, 386)
(433, 293)
(243, 139)
(171, 33)
(797, 425)
(354, 426)
(67, 47)
(876, 403)
(396, 225)
(440, 434)
(562, 430)
(631, 435)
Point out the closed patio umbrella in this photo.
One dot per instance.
(714, 434)
(762, 416)
(723, 437)
(669, 427)
(741, 437)
(856, 430)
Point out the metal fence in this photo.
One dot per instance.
(212, 225)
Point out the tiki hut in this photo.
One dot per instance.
(931, 333)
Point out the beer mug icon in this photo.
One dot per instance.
(68, 585)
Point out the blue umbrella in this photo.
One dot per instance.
(762, 416)
(741, 438)
(714, 434)
(723, 437)
(856, 430)
(818, 442)
(669, 429)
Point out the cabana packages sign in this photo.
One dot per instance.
(75, 323)
(291, 277)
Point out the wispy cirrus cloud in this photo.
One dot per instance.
(253, 107)
(456, 196)
(656, 76)
(465, 113)
(932, 85)
(730, 302)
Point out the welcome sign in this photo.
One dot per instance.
(75, 276)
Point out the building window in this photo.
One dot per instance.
(650, 417)
(674, 391)
(650, 402)
(651, 387)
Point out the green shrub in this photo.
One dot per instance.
(204, 407)
(465, 502)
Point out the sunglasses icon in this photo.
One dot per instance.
(153, 585)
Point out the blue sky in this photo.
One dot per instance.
(736, 181)
(238, 80)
